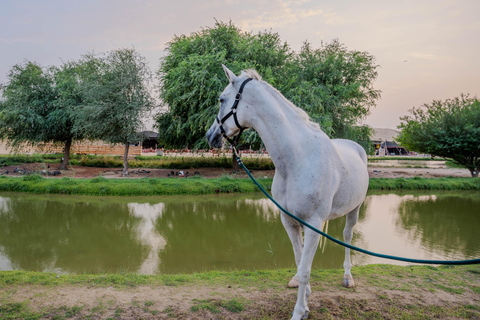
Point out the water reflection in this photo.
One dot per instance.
(221, 232)
(446, 225)
(45, 234)
(147, 234)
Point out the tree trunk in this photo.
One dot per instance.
(235, 167)
(125, 160)
(474, 172)
(66, 155)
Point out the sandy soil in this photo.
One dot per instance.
(92, 172)
(167, 302)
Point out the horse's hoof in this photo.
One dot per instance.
(305, 315)
(348, 281)
(293, 283)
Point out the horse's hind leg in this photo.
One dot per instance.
(352, 218)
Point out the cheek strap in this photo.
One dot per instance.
(233, 111)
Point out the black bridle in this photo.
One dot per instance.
(233, 111)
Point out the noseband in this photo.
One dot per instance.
(233, 111)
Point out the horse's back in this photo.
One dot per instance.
(348, 148)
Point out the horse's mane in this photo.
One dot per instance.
(254, 75)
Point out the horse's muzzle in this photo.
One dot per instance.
(214, 137)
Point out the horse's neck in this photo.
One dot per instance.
(284, 132)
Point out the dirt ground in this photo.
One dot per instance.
(205, 302)
(92, 172)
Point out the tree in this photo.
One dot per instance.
(37, 106)
(334, 85)
(62, 121)
(192, 77)
(116, 89)
(449, 129)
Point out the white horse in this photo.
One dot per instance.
(316, 178)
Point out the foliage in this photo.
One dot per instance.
(38, 106)
(117, 95)
(192, 77)
(334, 85)
(26, 102)
(449, 129)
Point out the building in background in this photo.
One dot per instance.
(384, 143)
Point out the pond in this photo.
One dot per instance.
(185, 234)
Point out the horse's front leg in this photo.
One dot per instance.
(303, 272)
(294, 232)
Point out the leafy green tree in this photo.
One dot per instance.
(117, 93)
(334, 85)
(449, 129)
(192, 77)
(62, 121)
(38, 106)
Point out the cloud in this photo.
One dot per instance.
(279, 14)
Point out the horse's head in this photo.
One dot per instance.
(228, 123)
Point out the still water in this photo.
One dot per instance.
(184, 234)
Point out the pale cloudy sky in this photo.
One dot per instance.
(426, 49)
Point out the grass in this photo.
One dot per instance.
(387, 283)
(453, 164)
(418, 183)
(197, 185)
(453, 279)
(130, 187)
(215, 305)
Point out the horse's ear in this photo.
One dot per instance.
(230, 75)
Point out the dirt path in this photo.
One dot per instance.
(92, 172)
(366, 301)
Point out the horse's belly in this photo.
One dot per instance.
(349, 195)
(326, 195)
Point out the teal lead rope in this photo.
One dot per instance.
(446, 262)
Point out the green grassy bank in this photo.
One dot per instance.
(382, 292)
(198, 185)
(379, 275)
(418, 183)
(130, 187)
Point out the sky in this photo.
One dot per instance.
(425, 50)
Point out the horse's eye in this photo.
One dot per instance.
(221, 100)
